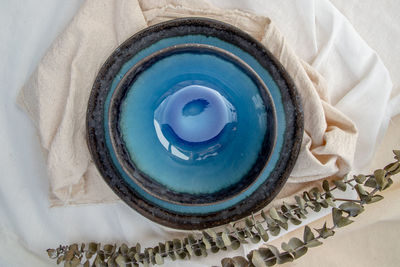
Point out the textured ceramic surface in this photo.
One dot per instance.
(184, 137)
(178, 130)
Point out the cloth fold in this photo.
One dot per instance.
(56, 95)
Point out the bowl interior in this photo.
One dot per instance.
(192, 124)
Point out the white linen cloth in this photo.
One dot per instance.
(56, 94)
(35, 227)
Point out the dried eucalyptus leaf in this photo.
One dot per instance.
(255, 238)
(344, 221)
(285, 246)
(235, 244)
(123, 249)
(274, 214)
(308, 234)
(275, 230)
(380, 177)
(336, 215)
(240, 261)
(325, 232)
(283, 225)
(206, 242)
(313, 243)
(300, 202)
(361, 191)
(397, 154)
(315, 192)
(325, 186)
(374, 199)
(371, 182)
(189, 249)
(360, 178)
(69, 255)
(351, 208)
(295, 243)
(300, 252)
(75, 262)
(295, 221)
(330, 202)
(262, 232)
(93, 247)
(340, 185)
(52, 253)
(227, 262)
(257, 260)
(159, 259)
(284, 258)
(226, 239)
(86, 264)
(211, 233)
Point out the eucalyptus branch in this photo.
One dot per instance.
(245, 230)
(295, 248)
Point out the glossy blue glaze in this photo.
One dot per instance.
(187, 136)
(275, 93)
(195, 123)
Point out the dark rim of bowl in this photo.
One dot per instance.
(265, 193)
(148, 183)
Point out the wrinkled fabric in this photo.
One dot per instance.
(57, 94)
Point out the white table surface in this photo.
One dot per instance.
(27, 28)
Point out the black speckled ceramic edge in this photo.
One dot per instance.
(292, 140)
(149, 184)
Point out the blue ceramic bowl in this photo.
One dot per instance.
(194, 124)
(183, 134)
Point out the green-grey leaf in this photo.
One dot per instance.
(352, 208)
(274, 214)
(274, 230)
(344, 221)
(120, 260)
(374, 199)
(206, 242)
(380, 177)
(295, 243)
(262, 232)
(330, 202)
(159, 259)
(340, 185)
(397, 153)
(308, 234)
(313, 243)
(371, 182)
(325, 232)
(189, 249)
(336, 215)
(295, 221)
(227, 262)
(226, 239)
(325, 186)
(257, 260)
(360, 178)
(284, 258)
(300, 252)
(300, 202)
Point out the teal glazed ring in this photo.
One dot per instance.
(230, 114)
(196, 123)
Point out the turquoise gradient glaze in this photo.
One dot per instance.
(266, 77)
(188, 129)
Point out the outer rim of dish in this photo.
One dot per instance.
(263, 195)
(148, 184)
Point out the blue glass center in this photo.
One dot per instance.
(193, 122)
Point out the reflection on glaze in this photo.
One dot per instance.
(194, 122)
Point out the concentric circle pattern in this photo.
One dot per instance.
(193, 123)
